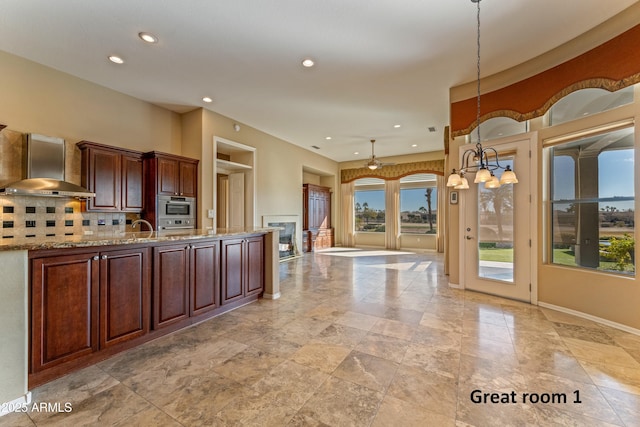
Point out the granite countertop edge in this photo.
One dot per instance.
(62, 242)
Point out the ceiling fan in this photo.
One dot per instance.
(373, 163)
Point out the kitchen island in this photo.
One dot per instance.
(70, 302)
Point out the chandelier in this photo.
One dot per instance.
(480, 161)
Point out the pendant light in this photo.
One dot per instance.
(477, 160)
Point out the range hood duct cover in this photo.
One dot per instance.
(44, 158)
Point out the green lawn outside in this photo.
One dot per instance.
(496, 254)
(560, 256)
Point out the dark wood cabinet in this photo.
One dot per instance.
(186, 281)
(124, 295)
(204, 277)
(131, 183)
(85, 302)
(88, 304)
(242, 268)
(170, 284)
(317, 232)
(171, 175)
(188, 178)
(114, 174)
(64, 315)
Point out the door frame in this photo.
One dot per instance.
(535, 179)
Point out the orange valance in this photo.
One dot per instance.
(613, 65)
(393, 171)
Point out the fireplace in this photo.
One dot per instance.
(289, 229)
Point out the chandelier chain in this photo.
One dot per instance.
(478, 76)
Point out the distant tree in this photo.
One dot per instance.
(429, 213)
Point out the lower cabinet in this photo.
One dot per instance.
(85, 302)
(204, 283)
(185, 281)
(242, 268)
(88, 304)
(124, 295)
(170, 284)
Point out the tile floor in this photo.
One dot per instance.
(362, 338)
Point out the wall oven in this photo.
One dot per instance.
(176, 213)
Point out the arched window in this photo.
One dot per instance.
(584, 102)
(497, 127)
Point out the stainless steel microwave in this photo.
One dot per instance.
(176, 207)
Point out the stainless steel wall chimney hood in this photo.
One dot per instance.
(44, 166)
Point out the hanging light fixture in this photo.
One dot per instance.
(477, 160)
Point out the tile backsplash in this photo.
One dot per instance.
(23, 216)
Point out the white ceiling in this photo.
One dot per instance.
(378, 62)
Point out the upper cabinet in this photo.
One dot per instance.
(171, 175)
(114, 174)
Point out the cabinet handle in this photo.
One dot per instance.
(181, 194)
(96, 258)
(104, 257)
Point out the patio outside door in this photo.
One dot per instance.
(496, 227)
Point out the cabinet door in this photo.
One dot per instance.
(232, 270)
(103, 179)
(131, 183)
(205, 277)
(188, 179)
(170, 284)
(64, 316)
(255, 265)
(168, 176)
(124, 295)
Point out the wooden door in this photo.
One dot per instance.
(168, 176)
(170, 284)
(236, 200)
(205, 277)
(64, 317)
(254, 280)
(222, 199)
(188, 179)
(124, 295)
(103, 179)
(131, 183)
(232, 270)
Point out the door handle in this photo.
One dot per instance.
(468, 237)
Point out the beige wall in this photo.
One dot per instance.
(279, 164)
(42, 100)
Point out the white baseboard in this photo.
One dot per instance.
(596, 319)
(455, 286)
(15, 403)
(271, 296)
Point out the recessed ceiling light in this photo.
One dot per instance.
(414, 145)
(207, 99)
(308, 63)
(148, 37)
(356, 153)
(116, 59)
(327, 138)
(397, 126)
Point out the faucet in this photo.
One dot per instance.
(138, 221)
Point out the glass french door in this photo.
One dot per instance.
(496, 227)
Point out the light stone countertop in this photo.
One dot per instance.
(61, 242)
